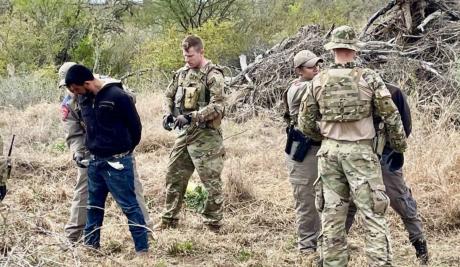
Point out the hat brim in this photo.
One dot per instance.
(312, 62)
(62, 83)
(334, 45)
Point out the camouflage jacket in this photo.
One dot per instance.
(209, 83)
(382, 107)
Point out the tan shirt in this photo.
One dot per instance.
(295, 94)
(348, 131)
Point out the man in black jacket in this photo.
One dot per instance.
(113, 130)
(401, 199)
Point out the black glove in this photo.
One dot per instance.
(395, 161)
(2, 192)
(167, 119)
(182, 120)
(80, 160)
(287, 117)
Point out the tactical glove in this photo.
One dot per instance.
(395, 161)
(80, 160)
(182, 120)
(2, 192)
(167, 120)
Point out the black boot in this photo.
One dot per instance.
(421, 250)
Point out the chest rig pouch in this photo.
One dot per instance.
(191, 94)
(340, 99)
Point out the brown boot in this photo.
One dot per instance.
(163, 225)
(215, 228)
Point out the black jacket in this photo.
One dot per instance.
(112, 123)
(400, 100)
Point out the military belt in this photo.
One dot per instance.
(368, 142)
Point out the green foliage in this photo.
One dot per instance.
(181, 248)
(196, 197)
(243, 255)
(222, 43)
(60, 146)
(22, 91)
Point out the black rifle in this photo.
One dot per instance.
(9, 166)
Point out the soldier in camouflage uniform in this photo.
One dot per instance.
(401, 199)
(302, 169)
(74, 126)
(340, 110)
(194, 104)
(3, 171)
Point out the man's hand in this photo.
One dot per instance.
(182, 120)
(2, 192)
(395, 161)
(167, 120)
(80, 160)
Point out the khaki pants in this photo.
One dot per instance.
(401, 200)
(302, 176)
(76, 224)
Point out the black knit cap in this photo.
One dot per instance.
(78, 75)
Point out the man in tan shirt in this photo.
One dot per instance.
(302, 165)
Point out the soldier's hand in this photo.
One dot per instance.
(167, 120)
(80, 160)
(395, 161)
(2, 192)
(182, 120)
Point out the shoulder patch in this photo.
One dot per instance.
(65, 107)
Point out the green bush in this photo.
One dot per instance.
(196, 197)
(223, 43)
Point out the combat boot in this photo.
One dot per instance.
(421, 250)
(213, 227)
(163, 225)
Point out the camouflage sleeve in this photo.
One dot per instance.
(309, 115)
(386, 109)
(75, 130)
(168, 102)
(3, 165)
(216, 107)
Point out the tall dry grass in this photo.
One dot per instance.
(259, 216)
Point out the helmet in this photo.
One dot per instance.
(343, 37)
(63, 72)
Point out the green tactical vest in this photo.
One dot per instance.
(192, 92)
(340, 99)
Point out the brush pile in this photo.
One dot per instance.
(414, 44)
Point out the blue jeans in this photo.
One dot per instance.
(117, 179)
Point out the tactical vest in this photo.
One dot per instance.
(340, 99)
(192, 92)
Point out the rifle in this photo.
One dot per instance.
(9, 166)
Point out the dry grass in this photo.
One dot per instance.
(259, 218)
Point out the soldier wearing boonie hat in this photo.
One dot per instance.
(339, 110)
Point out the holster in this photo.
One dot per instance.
(304, 144)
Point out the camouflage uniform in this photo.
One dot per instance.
(340, 109)
(302, 174)
(3, 166)
(199, 93)
(75, 128)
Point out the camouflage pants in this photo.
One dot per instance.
(3, 165)
(301, 176)
(78, 213)
(401, 200)
(351, 169)
(200, 149)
